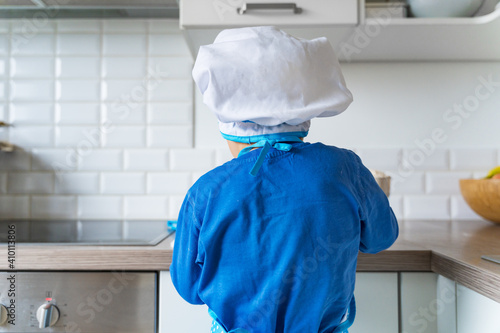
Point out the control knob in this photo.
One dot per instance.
(47, 315)
(3, 314)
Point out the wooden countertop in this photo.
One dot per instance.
(450, 248)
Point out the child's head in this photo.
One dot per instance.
(263, 84)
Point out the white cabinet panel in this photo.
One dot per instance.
(447, 293)
(176, 315)
(225, 13)
(376, 303)
(427, 303)
(476, 313)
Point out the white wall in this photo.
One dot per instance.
(64, 87)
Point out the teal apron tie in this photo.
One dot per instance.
(280, 144)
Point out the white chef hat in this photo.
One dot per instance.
(261, 82)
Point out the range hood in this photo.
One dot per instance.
(90, 8)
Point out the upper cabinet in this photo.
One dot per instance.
(354, 37)
(238, 13)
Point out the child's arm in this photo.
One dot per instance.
(184, 270)
(379, 226)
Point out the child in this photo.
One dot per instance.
(269, 240)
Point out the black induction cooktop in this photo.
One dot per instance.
(85, 232)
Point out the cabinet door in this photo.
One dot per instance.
(376, 303)
(476, 313)
(428, 303)
(176, 315)
(225, 13)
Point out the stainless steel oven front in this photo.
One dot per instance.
(79, 302)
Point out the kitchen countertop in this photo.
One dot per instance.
(450, 248)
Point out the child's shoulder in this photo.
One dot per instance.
(328, 151)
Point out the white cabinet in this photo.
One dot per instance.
(176, 315)
(476, 313)
(376, 303)
(234, 13)
(427, 303)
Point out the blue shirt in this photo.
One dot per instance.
(278, 252)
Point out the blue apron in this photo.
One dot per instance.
(346, 322)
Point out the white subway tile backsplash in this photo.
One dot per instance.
(170, 136)
(32, 136)
(17, 207)
(192, 159)
(79, 44)
(168, 44)
(417, 159)
(126, 93)
(460, 210)
(100, 207)
(30, 183)
(80, 85)
(77, 113)
(32, 67)
(124, 44)
(170, 113)
(124, 67)
(4, 43)
(427, 207)
(32, 90)
(2, 91)
(172, 67)
(125, 25)
(120, 114)
(396, 202)
(154, 207)
(78, 90)
(3, 67)
(31, 113)
(57, 160)
(78, 26)
(473, 159)
(445, 182)
(102, 160)
(78, 67)
(413, 183)
(29, 28)
(123, 183)
(84, 137)
(77, 183)
(125, 136)
(34, 44)
(164, 26)
(4, 26)
(381, 159)
(168, 182)
(175, 206)
(170, 90)
(56, 207)
(18, 160)
(148, 160)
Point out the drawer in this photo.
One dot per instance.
(237, 13)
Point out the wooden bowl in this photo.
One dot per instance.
(483, 197)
